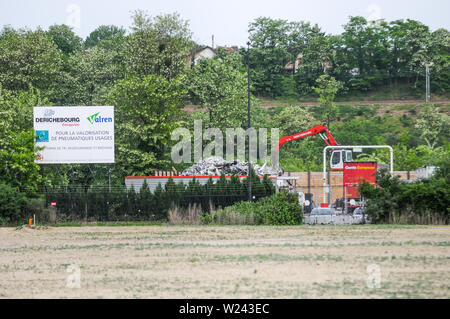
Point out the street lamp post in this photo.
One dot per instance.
(250, 198)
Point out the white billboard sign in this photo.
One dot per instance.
(74, 134)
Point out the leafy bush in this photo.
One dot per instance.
(12, 204)
(279, 209)
(394, 201)
(359, 83)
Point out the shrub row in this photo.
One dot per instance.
(12, 204)
(279, 209)
(394, 201)
(98, 204)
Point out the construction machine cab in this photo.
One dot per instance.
(338, 157)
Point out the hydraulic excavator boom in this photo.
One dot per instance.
(319, 129)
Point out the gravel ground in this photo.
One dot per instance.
(226, 262)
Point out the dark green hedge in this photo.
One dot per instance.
(98, 204)
(12, 204)
(426, 201)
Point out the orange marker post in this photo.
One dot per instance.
(30, 222)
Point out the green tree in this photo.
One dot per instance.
(12, 203)
(327, 88)
(407, 159)
(431, 124)
(17, 150)
(409, 49)
(220, 85)
(104, 33)
(417, 48)
(171, 192)
(65, 39)
(317, 58)
(90, 76)
(17, 166)
(365, 52)
(28, 57)
(440, 56)
(157, 45)
(147, 110)
(160, 206)
(268, 54)
(293, 119)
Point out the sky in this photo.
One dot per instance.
(227, 20)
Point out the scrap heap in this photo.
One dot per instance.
(216, 165)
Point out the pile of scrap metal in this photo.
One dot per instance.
(216, 165)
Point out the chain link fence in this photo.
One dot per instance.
(101, 203)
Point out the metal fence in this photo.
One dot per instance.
(101, 203)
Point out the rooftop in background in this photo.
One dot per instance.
(208, 52)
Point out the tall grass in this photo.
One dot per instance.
(409, 217)
(229, 216)
(185, 216)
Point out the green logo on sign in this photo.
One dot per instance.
(92, 118)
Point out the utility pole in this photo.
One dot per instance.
(427, 82)
(250, 198)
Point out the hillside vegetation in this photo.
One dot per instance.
(397, 125)
(145, 73)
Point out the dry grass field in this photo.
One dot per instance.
(226, 262)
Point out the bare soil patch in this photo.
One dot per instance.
(226, 262)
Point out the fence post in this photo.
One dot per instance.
(85, 204)
(315, 194)
(309, 182)
(109, 178)
(329, 188)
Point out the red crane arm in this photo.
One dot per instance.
(319, 129)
